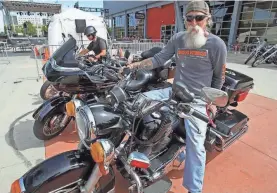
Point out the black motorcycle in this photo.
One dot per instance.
(142, 138)
(82, 80)
(267, 55)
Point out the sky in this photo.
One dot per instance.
(70, 4)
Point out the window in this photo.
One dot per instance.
(135, 26)
(246, 16)
(264, 5)
(259, 23)
(167, 31)
(245, 24)
(248, 7)
(118, 23)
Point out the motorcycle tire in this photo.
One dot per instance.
(44, 88)
(39, 127)
(249, 58)
(255, 63)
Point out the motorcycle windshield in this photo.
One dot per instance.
(65, 54)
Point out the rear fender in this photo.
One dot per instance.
(49, 106)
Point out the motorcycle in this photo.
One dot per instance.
(268, 55)
(84, 81)
(47, 90)
(143, 139)
(260, 48)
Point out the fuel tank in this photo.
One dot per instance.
(106, 118)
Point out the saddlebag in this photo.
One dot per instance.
(230, 123)
(237, 85)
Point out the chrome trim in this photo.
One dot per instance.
(139, 157)
(60, 189)
(133, 174)
(179, 164)
(92, 125)
(227, 143)
(83, 113)
(63, 69)
(108, 148)
(128, 134)
(93, 180)
(112, 190)
(21, 184)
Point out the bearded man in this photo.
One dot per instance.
(201, 62)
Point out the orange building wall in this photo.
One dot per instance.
(156, 17)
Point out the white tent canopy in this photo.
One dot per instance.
(65, 23)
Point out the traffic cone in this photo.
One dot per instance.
(46, 54)
(36, 51)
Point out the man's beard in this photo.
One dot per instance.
(195, 37)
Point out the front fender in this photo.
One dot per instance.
(58, 171)
(62, 170)
(49, 106)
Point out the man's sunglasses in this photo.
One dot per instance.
(90, 35)
(197, 18)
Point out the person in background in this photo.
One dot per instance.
(200, 62)
(97, 45)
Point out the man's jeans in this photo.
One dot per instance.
(195, 151)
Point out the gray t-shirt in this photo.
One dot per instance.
(197, 68)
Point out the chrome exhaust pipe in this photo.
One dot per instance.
(133, 174)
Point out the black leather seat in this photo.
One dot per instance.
(150, 53)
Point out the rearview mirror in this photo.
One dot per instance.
(215, 96)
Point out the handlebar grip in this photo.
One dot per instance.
(152, 108)
(200, 116)
(195, 113)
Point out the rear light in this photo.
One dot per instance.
(138, 160)
(15, 188)
(241, 96)
(139, 164)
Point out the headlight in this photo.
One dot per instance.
(85, 121)
(102, 152)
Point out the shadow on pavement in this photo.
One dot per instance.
(265, 66)
(20, 137)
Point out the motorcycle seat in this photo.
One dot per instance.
(150, 53)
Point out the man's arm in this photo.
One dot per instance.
(159, 59)
(103, 48)
(83, 52)
(219, 62)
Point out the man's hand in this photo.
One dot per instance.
(91, 59)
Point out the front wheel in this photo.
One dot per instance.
(256, 62)
(50, 127)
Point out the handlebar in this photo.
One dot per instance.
(183, 110)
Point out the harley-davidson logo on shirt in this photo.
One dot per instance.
(198, 53)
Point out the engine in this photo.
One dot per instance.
(154, 132)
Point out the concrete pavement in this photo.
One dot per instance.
(20, 150)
